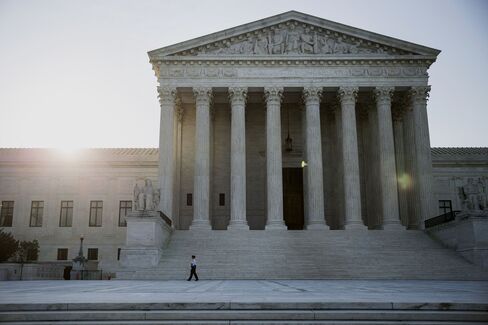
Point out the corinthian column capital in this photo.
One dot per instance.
(273, 94)
(238, 95)
(383, 94)
(348, 94)
(167, 95)
(312, 94)
(417, 94)
(203, 95)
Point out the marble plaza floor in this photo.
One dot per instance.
(240, 302)
(245, 291)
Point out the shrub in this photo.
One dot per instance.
(8, 245)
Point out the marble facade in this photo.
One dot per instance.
(354, 104)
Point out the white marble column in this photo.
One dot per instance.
(350, 159)
(400, 166)
(274, 173)
(411, 189)
(238, 219)
(201, 191)
(313, 140)
(418, 100)
(387, 169)
(167, 97)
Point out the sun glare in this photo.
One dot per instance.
(68, 152)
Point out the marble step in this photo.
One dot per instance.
(370, 254)
(251, 315)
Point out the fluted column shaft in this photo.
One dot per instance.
(418, 99)
(411, 177)
(313, 140)
(387, 168)
(167, 97)
(237, 98)
(274, 176)
(352, 187)
(403, 181)
(201, 203)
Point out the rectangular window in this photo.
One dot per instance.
(222, 199)
(62, 254)
(37, 210)
(93, 254)
(66, 214)
(118, 254)
(96, 208)
(7, 214)
(189, 199)
(124, 208)
(445, 206)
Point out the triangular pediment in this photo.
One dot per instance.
(291, 34)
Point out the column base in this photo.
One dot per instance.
(200, 225)
(238, 226)
(276, 226)
(317, 226)
(393, 227)
(355, 226)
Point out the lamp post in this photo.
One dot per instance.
(80, 260)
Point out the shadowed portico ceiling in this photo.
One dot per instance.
(293, 34)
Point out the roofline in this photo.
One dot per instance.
(299, 16)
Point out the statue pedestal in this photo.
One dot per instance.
(147, 235)
(467, 234)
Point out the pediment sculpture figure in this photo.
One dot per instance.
(294, 40)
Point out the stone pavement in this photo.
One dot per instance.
(245, 291)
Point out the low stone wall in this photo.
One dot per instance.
(468, 235)
(31, 271)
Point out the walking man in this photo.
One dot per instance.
(193, 271)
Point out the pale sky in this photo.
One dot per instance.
(77, 74)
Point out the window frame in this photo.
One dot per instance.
(68, 210)
(443, 207)
(7, 213)
(36, 214)
(124, 211)
(96, 213)
(62, 250)
(92, 250)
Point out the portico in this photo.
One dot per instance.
(230, 100)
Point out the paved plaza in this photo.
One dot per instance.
(246, 291)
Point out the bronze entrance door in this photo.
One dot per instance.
(293, 198)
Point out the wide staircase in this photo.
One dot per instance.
(309, 254)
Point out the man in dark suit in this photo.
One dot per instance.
(193, 271)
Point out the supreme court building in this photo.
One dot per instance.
(291, 122)
(243, 109)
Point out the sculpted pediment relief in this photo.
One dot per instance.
(292, 38)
